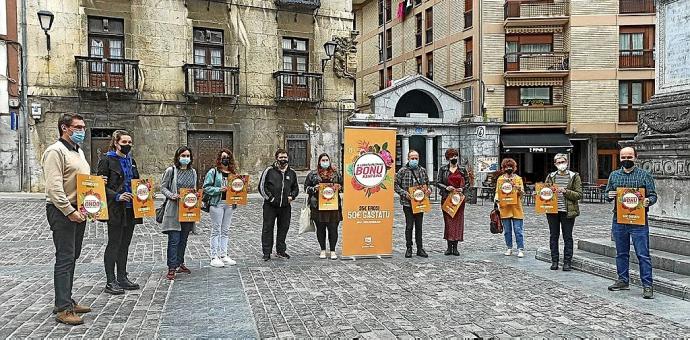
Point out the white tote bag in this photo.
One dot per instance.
(305, 223)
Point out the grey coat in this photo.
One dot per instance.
(168, 189)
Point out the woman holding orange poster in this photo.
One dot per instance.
(325, 220)
(216, 186)
(509, 184)
(453, 180)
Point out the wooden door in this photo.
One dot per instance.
(205, 147)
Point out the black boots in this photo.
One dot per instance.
(567, 266)
(114, 288)
(421, 252)
(408, 253)
(554, 265)
(449, 251)
(126, 284)
(455, 248)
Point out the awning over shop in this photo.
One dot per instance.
(535, 142)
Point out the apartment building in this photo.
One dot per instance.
(249, 76)
(557, 75)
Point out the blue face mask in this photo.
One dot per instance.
(325, 165)
(185, 160)
(413, 163)
(78, 136)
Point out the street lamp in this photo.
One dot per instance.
(329, 47)
(46, 20)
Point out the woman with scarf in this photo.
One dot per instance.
(119, 168)
(325, 220)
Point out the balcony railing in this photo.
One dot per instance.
(468, 19)
(107, 75)
(518, 9)
(549, 61)
(636, 59)
(636, 6)
(299, 86)
(535, 115)
(627, 114)
(308, 5)
(211, 81)
(468, 68)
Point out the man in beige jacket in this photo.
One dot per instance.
(62, 162)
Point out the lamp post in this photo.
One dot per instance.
(46, 20)
(329, 47)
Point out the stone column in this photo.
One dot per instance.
(430, 157)
(405, 149)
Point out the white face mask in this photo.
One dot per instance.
(562, 167)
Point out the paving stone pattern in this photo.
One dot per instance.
(479, 294)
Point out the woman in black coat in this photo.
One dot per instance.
(326, 220)
(120, 168)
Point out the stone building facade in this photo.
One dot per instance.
(558, 76)
(10, 141)
(245, 75)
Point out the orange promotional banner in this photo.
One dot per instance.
(369, 157)
(546, 200)
(507, 194)
(237, 190)
(630, 206)
(189, 206)
(328, 196)
(142, 198)
(452, 203)
(420, 200)
(91, 199)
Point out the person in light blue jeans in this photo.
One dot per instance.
(216, 185)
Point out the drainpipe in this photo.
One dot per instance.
(24, 175)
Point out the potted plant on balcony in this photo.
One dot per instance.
(537, 102)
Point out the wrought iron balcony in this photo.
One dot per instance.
(535, 115)
(211, 81)
(107, 75)
(636, 6)
(536, 62)
(299, 86)
(636, 59)
(516, 9)
(299, 5)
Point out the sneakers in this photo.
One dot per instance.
(114, 288)
(284, 255)
(334, 256)
(619, 285)
(227, 260)
(554, 265)
(266, 257)
(217, 262)
(171, 274)
(508, 252)
(322, 255)
(68, 317)
(521, 253)
(648, 292)
(183, 269)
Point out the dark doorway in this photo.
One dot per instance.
(416, 101)
(205, 146)
(100, 142)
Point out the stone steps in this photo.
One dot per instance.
(671, 262)
(670, 243)
(666, 282)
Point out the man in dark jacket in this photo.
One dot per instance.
(278, 186)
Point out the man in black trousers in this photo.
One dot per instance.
(278, 186)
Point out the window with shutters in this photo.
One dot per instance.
(298, 151)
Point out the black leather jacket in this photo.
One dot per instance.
(442, 180)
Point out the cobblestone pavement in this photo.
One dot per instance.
(479, 294)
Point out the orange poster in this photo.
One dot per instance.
(328, 196)
(452, 203)
(369, 158)
(507, 194)
(546, 200)
(420, 200)
(91, 198)
(189, 205)
(237, 190)
(142, 198)
(630, 206)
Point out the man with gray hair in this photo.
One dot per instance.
(568, 188)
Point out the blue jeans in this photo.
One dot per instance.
(177, 244)
(640, 239)
(510, 225)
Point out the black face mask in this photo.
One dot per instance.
(454, 161)
(225, 161)
(283, 162)
(628, 164)
(509, 171)
(125, 149)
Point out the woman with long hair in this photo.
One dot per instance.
(325, 220)
(216, 186)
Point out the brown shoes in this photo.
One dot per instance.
(68, 317)
(81, 309)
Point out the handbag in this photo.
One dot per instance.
(305, 223)
(160, 211)
(496, 227)
(206, 198)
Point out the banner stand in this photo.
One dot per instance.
(365, 257)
